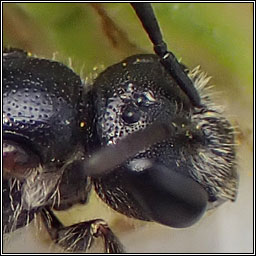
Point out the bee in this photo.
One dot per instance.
(152, 144)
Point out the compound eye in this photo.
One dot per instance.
(166, 196)
(130, 114)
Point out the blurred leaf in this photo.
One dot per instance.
(218, 36)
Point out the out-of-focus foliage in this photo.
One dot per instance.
(218, 36)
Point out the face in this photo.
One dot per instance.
(133, 99)
(129, 99)
(130, 120)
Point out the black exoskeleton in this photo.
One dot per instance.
(145, 135)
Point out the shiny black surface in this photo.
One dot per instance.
(40, 104)
(129, 89)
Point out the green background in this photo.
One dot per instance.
(218, 36)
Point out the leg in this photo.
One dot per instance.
(80, 236)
